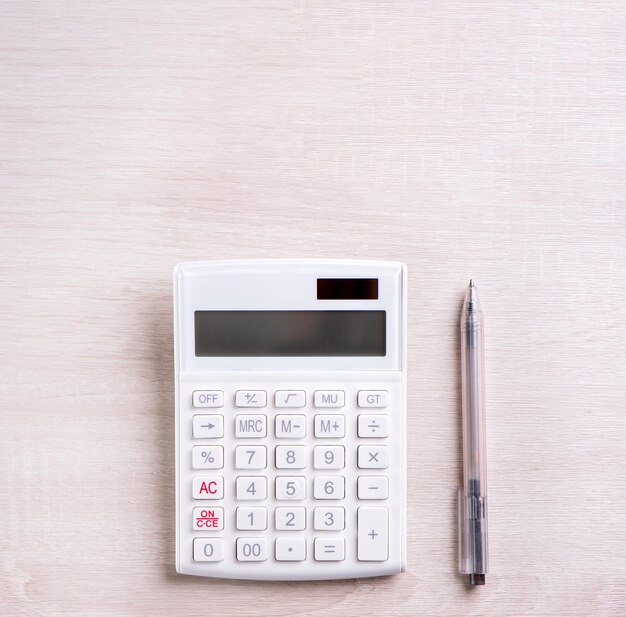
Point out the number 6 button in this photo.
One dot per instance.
(329, 487)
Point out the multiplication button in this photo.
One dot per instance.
(372, 457)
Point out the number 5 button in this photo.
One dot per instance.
(290, 487)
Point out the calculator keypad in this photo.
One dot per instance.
(307, 461)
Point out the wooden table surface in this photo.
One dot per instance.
(483, 140)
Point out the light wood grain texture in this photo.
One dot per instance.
(483, 139)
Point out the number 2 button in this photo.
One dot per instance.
(293, 519)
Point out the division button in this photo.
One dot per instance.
(371, 426)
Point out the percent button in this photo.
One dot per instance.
(207, 457)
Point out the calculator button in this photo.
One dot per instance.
(251, 488)
(372, 542)
(330, 549)
(330, 398)
(329, 519)
(207, 398)
(290, 487)
(290, 549)
(290, 457)
(329, 487)
(251, 549)
(208, 549)
(251, 426)
(373, 457)
(208, 487)
(329, 457)
(251, 518)
(208, 518)
(372, 426)
(208, 427)
(331, 426)
(207, 457)
(250, 457)
(373, 398)
(290, 398)
(373, 487)
(290, 519)
(251, 398)
(293, 427)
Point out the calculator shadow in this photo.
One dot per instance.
(161, 357)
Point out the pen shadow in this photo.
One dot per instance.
(459, 449)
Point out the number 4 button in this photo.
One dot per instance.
(251, 487)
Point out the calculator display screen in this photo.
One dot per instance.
(290, 333)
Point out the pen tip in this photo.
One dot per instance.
(471, 284)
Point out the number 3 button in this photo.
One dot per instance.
(329, 519)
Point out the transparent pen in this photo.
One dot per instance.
(473, 557)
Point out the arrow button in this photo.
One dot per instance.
(208, 427)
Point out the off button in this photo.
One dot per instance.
(208, 398)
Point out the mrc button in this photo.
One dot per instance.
(250, 425)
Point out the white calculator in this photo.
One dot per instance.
(290, 418)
